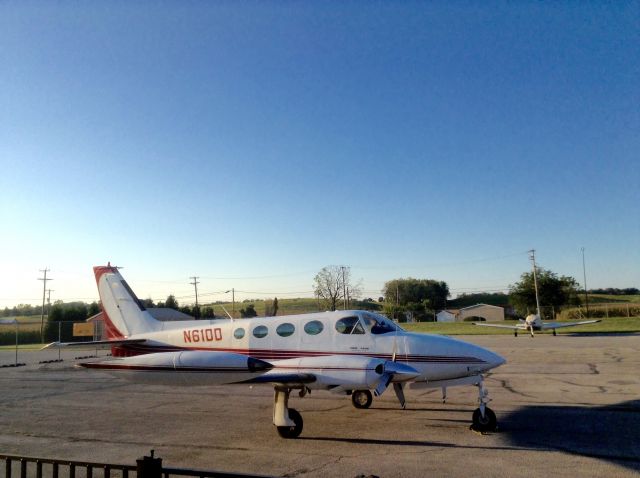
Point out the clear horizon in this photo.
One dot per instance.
(253, 143)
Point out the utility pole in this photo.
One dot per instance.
(584, 273)
(344, 290)
(532, 256)
(49, 291)
(195, 285)
(44, 292)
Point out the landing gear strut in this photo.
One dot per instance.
(484, 420)
(287, 420)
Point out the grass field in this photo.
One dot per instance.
(611, 325)
(606, 298)
(25, 324)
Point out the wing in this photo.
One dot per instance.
(559, 325)
(501, 326)
(284, 378)
(93, 344)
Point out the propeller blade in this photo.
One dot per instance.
(397, 387)
(384, 382)
(394, 372)
(400, 372)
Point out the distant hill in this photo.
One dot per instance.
(287, 306)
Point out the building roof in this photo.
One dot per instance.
(481, 305)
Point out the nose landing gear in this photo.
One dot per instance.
(483, 419)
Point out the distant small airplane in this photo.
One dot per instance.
(349, 352)
(534, 322)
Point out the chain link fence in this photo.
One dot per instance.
(31, 333)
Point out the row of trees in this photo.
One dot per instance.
(334, 287)
(422, 298)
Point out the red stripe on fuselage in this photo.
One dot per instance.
(266, 354)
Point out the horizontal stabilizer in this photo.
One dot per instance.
(101, 344)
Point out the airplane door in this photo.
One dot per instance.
(352, 336)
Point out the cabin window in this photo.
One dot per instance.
(379, 325)
(285, 330)
(238, 333)
(349, 325)
(260, 331)
(314, 327)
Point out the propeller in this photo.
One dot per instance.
(395, 372)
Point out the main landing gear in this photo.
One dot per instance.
(287, 420)
(484, 420)
(361, 398)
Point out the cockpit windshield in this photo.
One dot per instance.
(379, 325)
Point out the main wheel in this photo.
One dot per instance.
(361, 398)
(294, 431)
(487, 424)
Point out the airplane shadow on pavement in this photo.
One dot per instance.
(609, 433)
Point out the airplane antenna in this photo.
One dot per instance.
(532, 256)
(226, 312)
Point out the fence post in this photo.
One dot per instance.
(149, 467)
(16, 341)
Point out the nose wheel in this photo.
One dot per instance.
(483, 419)
(486, 423)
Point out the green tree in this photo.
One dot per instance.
(553, 290)
(208, 313)
(421, 297)
(171, 303)
(249, 312)
(66, 314)
(93, 309)
(148, 303)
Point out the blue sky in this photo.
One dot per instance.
(253, 143)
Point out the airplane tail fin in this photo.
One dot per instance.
(124, 314)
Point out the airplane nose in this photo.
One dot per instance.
(493, 359)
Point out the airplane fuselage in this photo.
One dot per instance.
(289, 342)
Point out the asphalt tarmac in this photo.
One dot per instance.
(566, 406)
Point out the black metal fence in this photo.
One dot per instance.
(16, 466)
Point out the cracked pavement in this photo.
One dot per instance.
(566, 406)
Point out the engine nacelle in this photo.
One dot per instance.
(345, 371)
(185, 368)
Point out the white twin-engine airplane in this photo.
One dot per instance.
(534, 322)
(349, 352)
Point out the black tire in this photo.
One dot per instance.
(515, 333)
(554, 332)
(487, 424)
(361, 398)
(294, 431)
